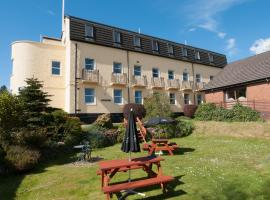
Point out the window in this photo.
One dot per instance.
(117, 68)
(155, 72)
(117, 37)
(138, 97)
(198, 78)
(211, 57)
(172, 98)
(89, 31)
(89, 64)
(235, 94)
(197, 55)
(89, 95)
(155, 46)
(137, 70)
(185, 53)
(137, 41)
(199, 99)
(185, 76)
(55, 68)
(170, 49)
(211, 78)
(170, 74)
(186, 98)
(117, 96)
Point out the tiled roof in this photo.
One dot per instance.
(244, 71)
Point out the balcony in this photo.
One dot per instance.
(199, 86)
(186, 85)
(90, 76)
(119, 79)
(157, 83)
(139, 81)
(173, 84)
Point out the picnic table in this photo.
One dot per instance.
(160, 145)
(108, 169)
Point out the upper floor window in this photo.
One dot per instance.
(117, 37)
(155, 73)
(185, 52)
(118, 96)
(55, 68)
(170, 74)
(138, 97)
(185, 76)
(89, 31)
(211, 57)
(211, 78)
(89, 96)
(197, 55)
(198, 78)
(137, 70)
(117, 68)
(89, 64)
(137, 41)
(172, 99)
(155, 45)
(170, 49)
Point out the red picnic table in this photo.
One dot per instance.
(108, 169)
(160, 145)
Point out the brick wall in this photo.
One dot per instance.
(214, 97)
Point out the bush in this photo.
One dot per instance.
(21, 158)
(104, 121)
(157, 105)
(189, 110)
(238, 113)
(121, 133)
(138, 109)
(184, 127)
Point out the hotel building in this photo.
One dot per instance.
(96, 68)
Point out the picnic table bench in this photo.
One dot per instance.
(108, 169)
(160, 145)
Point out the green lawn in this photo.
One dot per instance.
(207, 167)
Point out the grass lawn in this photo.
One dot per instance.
(208, 166)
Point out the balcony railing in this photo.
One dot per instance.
(199, 86)
(173, 84)
(186, 85)
(119, 79)
(90, 76)
(157, 83)
(139, 81)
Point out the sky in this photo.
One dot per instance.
(236, 28)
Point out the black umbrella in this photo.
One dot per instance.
(158, 120)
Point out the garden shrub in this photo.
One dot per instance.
(104, 121)
(121, 133)
(189, 110)
(22, 158)
(138, 110)
(205, 111)
(184, 127)
(242, 113)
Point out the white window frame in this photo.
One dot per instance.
(174, 98)
(137, 98)
(135, 70)
(187, 99)
(153, 72)
(187, 76)
(94, 63)
(120, 65)
(139, 39)
(155, 45)
(91, 33)
(172, 74)
(185, 52)
(197, 55)
(117, 36)
(60, 71)
(90, 103)
(198, 78)
(122, 99)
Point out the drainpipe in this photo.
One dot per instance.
(76, 78)
(128, 77)
(193, 84)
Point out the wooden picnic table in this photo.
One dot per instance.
(160, 145)
(108, 169)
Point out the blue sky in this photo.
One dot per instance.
(237, 28)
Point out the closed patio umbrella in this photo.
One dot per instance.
(158, 120)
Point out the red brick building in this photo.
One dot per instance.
(246, 81)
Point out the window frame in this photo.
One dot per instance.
(141, 96)
(211, 58)
(197, 55)
(116, 63)
(135, 66)
(122, 100)
(93, 95)
(117, 36)
(173, 76)
(155, 46)
(185, 52)
(158, 72)
(198, 77)
(171, 49)
(188, 95)
(172, 98)
(92, 31)
(134, 41)
(201, 99)
(53, 67)
(85, 64)
(184, 76)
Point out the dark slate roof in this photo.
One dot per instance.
(249, 70)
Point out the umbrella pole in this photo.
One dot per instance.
(129, 171)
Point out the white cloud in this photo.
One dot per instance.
(231, 46)
(221, 35)
(192, 29)
(50, 12)
(260, 46)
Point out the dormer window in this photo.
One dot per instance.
(170, 50)
(117, 37)
(211, 58)
(197, 55)
(155, 45)
(89, 32)
(137, 41)
(185, 53)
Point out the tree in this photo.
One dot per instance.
(157, 105)
(36, 102)
(3, 88)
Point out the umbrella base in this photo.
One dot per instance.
(130, 192)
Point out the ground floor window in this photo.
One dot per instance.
(172, 98)
(89, 96)
(186, 98)
(236, 93)
(118, 96)
(199, 99)
(138, 97)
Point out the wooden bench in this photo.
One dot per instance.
(161, 179)
(122, 169)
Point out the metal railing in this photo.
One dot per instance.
(199, 86)
(119, 79)
(173, 84)
(186, 85)
(90, 75)
(157, 82)
(139, 81)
